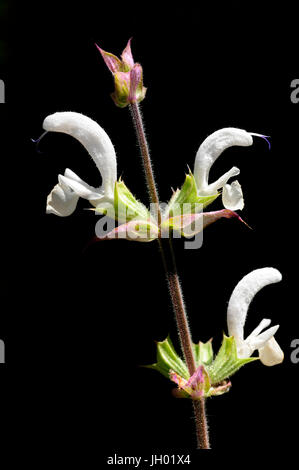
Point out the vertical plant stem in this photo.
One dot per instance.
(175, 290)
(176, 295)
(177, 300)
(199, 407)
(147, 164)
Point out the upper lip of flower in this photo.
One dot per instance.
(237, 309)
(208, 153)
(63, 198)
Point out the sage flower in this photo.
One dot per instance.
(62, 200)
(207, 154)
(270, 352)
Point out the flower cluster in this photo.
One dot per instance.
(212, 373)
(113, 198)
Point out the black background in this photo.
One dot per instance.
(78, 318)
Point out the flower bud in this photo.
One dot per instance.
(128, 77)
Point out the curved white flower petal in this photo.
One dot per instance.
(271, 354)
(72, 175)
(232, 196)
(242, 296)
(81, 188)
(94, 139)
(210, 150)
(62, 201)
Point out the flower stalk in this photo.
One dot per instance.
(146, 159)
(175, 290)
(202, 434)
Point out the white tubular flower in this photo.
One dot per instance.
(208, 153)
(269, 350)
(63, 198)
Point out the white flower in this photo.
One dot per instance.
(208, 152)
(269, 350)
(63, 198)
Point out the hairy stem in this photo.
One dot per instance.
(146, 159)
(176, 295)
(175, 290)
(177, 300)
(199, 407)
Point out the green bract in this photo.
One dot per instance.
(211, 374)
(168, 359)
(226, 363)
(183, 214)
(187, 195)
(125, 206)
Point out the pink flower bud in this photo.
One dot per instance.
(128, 77)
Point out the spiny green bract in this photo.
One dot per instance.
(218, 369)
(187, 195)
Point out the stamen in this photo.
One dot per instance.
(37, 141)
(263, 137)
